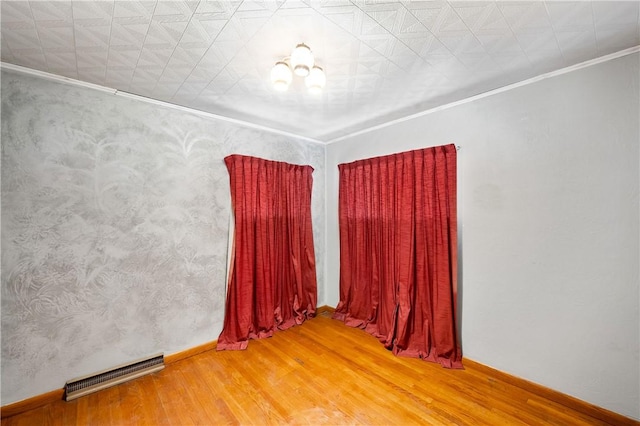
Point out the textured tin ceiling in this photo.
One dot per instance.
(383, 59)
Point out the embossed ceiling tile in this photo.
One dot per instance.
(476, 15)
(264, 5)
(493, 23)
(349, 18)
(449, 66)
(344, 52)
(146, 75)
(538, 41)
(92, 75)
(457, 42)
(383, 44)
(133, 11)
(415, 41)
(615, 15)
(368, 67)
(387, 15)
(92, 36)
(410, 24)
(164, 34)
(15, 12)
(543, 61)
(471, 45)
(614, 40)
(571, 16)
(243, 66)
(249, 22)
(152, 57)
(91, 58)
(92, 13)
(512, 62)
(526, 17)
(122, 58)
(61, 59)
(294, 4)
(582, 41)
(220, 84)
(435, 48)
(30, 58)
(51, 37)
(46, 14)
(118, 77)
(501, 44)
(222, 52)
(190, 90)
(478, 64)
(429, 13)
(448, 21)
(165, 90)
(128, 34)
(403, 57)
(173, 76)
(202, 30)
(21, 39)
(246, 86)
(234, 30)
(368, 26)
(220, 9)
(175, 10)
(187, 56)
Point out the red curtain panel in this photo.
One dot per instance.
(398, 252)
(272, 283)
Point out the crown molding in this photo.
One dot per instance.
(110, 90)
(526, 82)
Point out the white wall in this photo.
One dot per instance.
(548, 213)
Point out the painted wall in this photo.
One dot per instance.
(115, 223)
(548, 198)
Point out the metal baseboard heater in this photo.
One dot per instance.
(88, 384)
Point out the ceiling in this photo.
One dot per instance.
(383, 59)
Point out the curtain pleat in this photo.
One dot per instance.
(398, 252)
(272, 284)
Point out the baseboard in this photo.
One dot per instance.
(576, 404)
(31, 403)
(170, 359)
(320, 310)
(58, 394)
(591, 410)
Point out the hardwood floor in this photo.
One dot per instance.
(319, 373)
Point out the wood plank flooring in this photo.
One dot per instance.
(319, 373)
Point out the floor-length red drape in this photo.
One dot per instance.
(398, 252)
(272, 284)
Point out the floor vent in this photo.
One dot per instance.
(85, 385)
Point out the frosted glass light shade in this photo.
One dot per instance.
(302, 60)
(316, 80)
(281, 76)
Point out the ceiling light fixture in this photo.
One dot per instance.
(303, 65)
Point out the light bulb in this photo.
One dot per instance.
(301, 60)
(316, 80)
(281, 76)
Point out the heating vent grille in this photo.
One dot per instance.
(86, 385)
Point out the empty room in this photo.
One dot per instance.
(340, 212)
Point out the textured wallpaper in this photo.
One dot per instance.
(115, 223)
